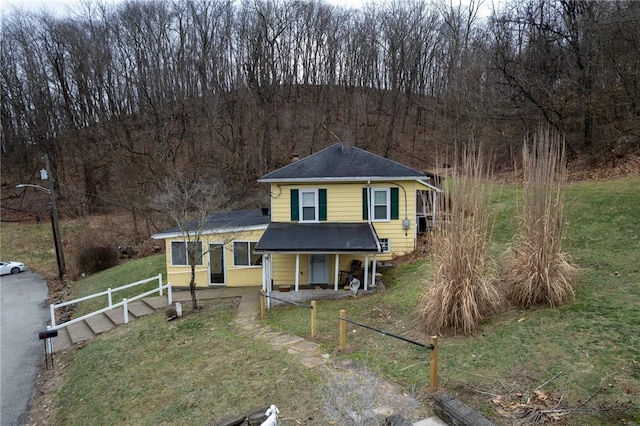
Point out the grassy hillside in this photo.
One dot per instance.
(579, 363)
(124, 274)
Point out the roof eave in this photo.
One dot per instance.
(164, 236)
(319, 251)
(345, 179)
(435, 188)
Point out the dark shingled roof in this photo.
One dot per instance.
(238, 219)
(339, 162)
(318, 237)
(227, 220)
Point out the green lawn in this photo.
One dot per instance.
(195, 371)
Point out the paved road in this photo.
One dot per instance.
(23, 314)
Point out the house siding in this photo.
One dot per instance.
(235, 276)
(344, 204)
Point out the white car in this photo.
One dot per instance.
(11, 267)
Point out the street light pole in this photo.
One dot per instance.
(54, 221)
(54, 215)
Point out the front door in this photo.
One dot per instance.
(319, 269)
(216, 264)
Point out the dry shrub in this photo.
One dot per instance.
(94, 259)
(461, 293)
(535, 270)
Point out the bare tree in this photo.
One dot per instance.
(189, 204)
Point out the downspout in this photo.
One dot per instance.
(406, 224)
(369, 202)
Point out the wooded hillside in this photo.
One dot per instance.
(120, 96)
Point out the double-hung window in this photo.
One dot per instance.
(308, 205)
(180, 252)
(243, 254)
(380, 204)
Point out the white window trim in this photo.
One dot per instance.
(373, 209)
(249, 265)
(316, 201)
(388, 245)
(186, 253)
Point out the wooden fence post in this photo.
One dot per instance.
(343, 330)
(262, 304)
(433, 365)
(314, 323)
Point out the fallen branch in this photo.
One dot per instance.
(549, 381)
(593, 395)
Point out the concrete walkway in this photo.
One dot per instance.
(309, 354)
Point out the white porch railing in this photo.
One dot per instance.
(109, 293)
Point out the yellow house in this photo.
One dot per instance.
(337, 209)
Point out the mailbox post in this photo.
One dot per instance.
(46, 336)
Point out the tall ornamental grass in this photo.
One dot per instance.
(535, 271)
(461, 293)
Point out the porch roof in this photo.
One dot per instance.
(319, 237)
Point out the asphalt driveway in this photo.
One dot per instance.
(24, 313)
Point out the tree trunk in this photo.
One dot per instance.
(192, 287)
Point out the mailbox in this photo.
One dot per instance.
(47, 334)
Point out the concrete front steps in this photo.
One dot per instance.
(101, 323)
(91, 327)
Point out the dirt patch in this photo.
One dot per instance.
(523, 402)
(43, 408)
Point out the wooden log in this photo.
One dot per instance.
(455, 412)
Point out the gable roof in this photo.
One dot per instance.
(229, 221)
(341, 162)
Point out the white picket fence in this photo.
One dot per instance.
(109, 293)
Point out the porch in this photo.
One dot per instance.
(307, 294)
(318, 256)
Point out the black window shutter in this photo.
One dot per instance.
(395, 206)
(322, 198)
(295, 206)
(365, 204)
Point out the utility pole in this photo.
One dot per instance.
(54, 218)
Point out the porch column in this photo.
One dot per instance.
(373, 272)
(297, 280)
(433, 208)
(267, 274)
(265, 258)
(336, 272)
(366, 270)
